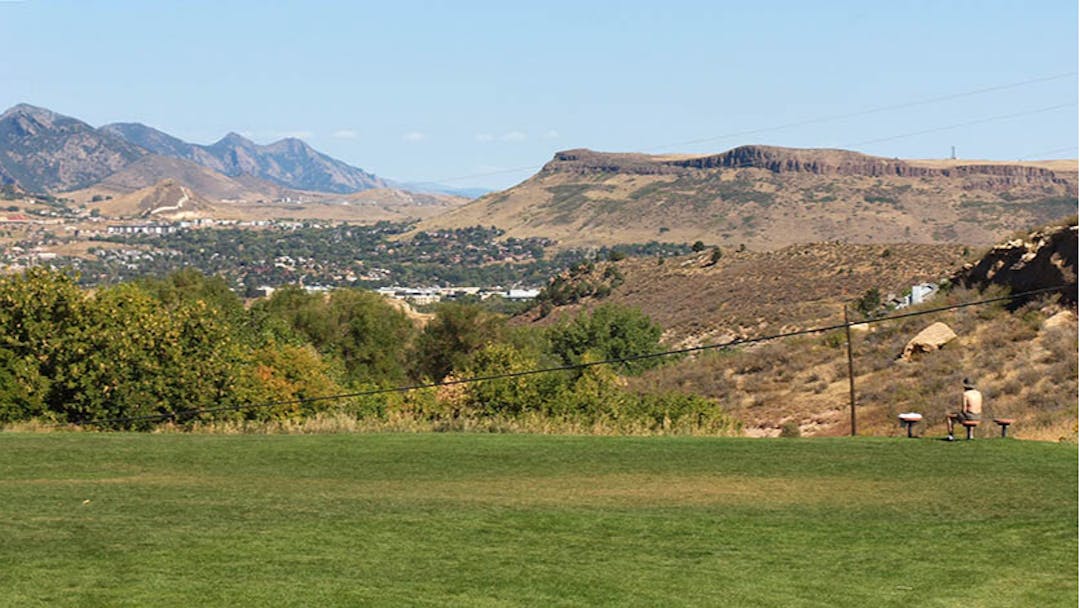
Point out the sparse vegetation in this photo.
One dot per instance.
(1025, 370)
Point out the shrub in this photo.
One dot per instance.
(790, 429)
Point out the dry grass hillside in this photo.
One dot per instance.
(166, 200)
(747, 293)
(1024, 360)
(767, 198)
(154, 181)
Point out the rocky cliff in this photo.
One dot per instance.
(792, 160)
(1044, 259)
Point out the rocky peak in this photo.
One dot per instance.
(234, 140)
(291, 145)
(25, 120)
(29, 111)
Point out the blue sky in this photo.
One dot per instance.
(453, 91)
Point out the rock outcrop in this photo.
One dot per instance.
(930, 339)
(1045, 259)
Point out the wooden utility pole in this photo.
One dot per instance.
(850, 369)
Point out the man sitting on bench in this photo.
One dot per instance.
(971, 410)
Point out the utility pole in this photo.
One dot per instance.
(851, 369)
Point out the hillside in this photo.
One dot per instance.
(1024, 357)
(153, 168)
(748, 293)
(365, 207)
(771, 197)
(166, 200)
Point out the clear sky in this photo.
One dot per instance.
(443, 91)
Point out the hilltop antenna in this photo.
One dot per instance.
(954, 152)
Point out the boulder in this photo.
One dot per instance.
(1064, 319)
(929, 339)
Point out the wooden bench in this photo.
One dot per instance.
(969, 426)
(1004, 424)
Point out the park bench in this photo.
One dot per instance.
(1004, 424)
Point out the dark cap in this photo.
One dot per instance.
(968, 383)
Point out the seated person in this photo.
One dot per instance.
(971, 409)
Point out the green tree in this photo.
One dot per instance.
(130, 357)
(189, 285)
(372, 337)
(365, 335)
(455, 333)
(22, 389)
(612, 332)
(506, 396)
(40, 310)
(869, 303)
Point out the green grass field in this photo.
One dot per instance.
(515, 520)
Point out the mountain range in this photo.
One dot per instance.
(43, 151)
(288, 162)
(759, 197)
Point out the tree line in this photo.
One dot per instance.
(186, 350)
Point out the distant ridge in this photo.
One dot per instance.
(43, 151)
(828, 162)
(768, 197)
(288, 162)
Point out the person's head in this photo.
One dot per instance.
(968, 384)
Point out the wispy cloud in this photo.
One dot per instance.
(551, 134)
(414, 136)
(345, 134)
(484, 137)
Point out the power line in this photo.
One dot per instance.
(963, 124)
(1042, 155)
(547, 370)
(898, 106)
(809, 121)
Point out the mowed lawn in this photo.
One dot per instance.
(90, 519)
